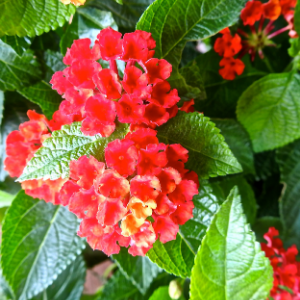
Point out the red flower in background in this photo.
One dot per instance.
(231, 67)
(252, 12)
(286, 270)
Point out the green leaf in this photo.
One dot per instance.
(39, 241)
(42, 94)
(162, 293)
(265, 164)
(230, 264)
(139, 270)
(222, 95)
(269, 110)
(246, 192)
(52, 160)
(87, 23)
(238, 141)
(5, 291)
(177, 257)
(173, 23)
(17, 72)
(289, 163)
(209, 155)
(33, 17)
(20, 45)
(5, 199)
(297, 18)
(126, 15)
(68, 285)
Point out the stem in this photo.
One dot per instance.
(267, 63)
(252, 28)
(279, 32)
(261, 24)
(242, 32)
(269, 27)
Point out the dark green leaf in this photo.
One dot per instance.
(20, 45)
(33, 17)
(265, 164)
(139, 270)
(87, 23)
(289, 163)
(177, 257)
(17, 72)
(222, 95)
(230, 264)
(52, 160)
(238, 141)
(126, 15)
(42, 94)
(54, 63)
(209, 155)
(262, 225)
(269, 110)
(39, 241)
(245, 190)
(68, 285)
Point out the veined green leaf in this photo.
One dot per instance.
(39, 241)
(209, 155)
(139, 270)
(230, 263)
(269, 110)
(177, 257)
(68, 285)
(33, 17)
(17, 72)
(288, 159)
(20, 45)
(52, 160)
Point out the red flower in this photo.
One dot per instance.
(231, 68)
(158, 70)
(272, 9)
(287, 6)
(100, 115)
(143, 137)
(108, 83)
(252, 12)
(228, 45)
(151, 159)
(155, 115)
(184, 192)
(188, 106)
(162, 95)
(122, 156)
(110, 43)
(80, 50)
(165, 228)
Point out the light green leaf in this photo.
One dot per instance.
(269, 110)
(5, 199)
(39, 241)
(42, 94)
(230, 264)
(139, 270)
(209, 155)
(288, 159)
(52, 160)
(17, 72)
(177, 257)
(238, 141)
(68, 285)
(20, 45)
(33, 17)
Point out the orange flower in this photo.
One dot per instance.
(272, 10)
(228, 45)
(75, 2)
(232, 67)
(287, 6)
(252, 12)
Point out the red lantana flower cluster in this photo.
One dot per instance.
(142, 178)
(96, 96)
(286, 270)
(254, 15)
(20, 147)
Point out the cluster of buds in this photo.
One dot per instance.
(142, 193)
(286, 270)
(254, 15)
(96, 96)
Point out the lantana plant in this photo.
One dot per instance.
(156, 141)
